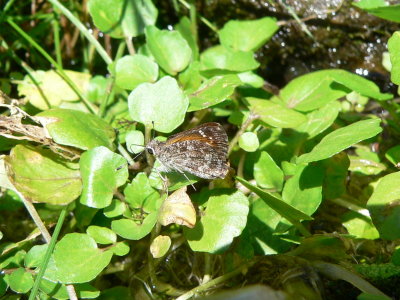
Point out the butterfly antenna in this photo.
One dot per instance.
(140, 153)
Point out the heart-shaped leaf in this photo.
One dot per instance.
(162, 103)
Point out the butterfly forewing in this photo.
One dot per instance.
(201, 151)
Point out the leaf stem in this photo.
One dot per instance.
(74, 20)
(204, 20)
(49, 251)
(242, 129)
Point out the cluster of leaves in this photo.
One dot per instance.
(292, 153)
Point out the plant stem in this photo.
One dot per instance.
(218, 280)
(49, 251)
(204, 20)
(74, 20)
(56, 31)
(54, 63)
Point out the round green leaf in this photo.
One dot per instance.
(248, 141)
(132, 70)
(213, 91)
(341, 139)
(77, 129)
(133, 139)
(169, 48)
(162, 103)
(131, 230)
(52, 86)
(120, 18)
(267, 174)
(384, 207)
(78, 259)
(160, 246)
(102, 172)
(275, 114)
(247, 35)
(20, 281)
(42, 176)
(121, 248)
(220, 57)
(224, 219)
(102, 235)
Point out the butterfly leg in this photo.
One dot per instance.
(164, 181)
(187, 178)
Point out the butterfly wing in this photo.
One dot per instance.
(201, 151)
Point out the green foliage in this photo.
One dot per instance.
(298, 154)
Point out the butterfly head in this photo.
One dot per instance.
(153, 147)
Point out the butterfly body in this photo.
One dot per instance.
(201, 151)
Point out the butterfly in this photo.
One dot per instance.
(201, 151)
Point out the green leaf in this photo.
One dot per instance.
(162, 103)
(35, 256)
(102, 172)
(188, 31)
(220, 57)
(190, 79)
(316, 89)
(251, 79)
(336, 174)
(52, 86)
(213, 91)
(115, 209)
(120, 18)
(102, 235)
(342, 139)
(225, 218)
(320, 119)
(275, 114)
(121, 248)
(247, 35)
(394, 50)
(281, 207)
(77, 129)
(393, 155)
(384, 207)
(132, 70)
(140, 194)
(169, 48)
(360, 226)
(3, 285)
(78, 259)
(59, 291)
(131, 230)
(380, 9)
(248, 141)
(160, 246)
(133, 139)
(97, 89)
(42, 176)
(260, 231)
(266, 172)
(20, 281)
(303, 190)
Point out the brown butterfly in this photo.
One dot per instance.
(201, 151)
